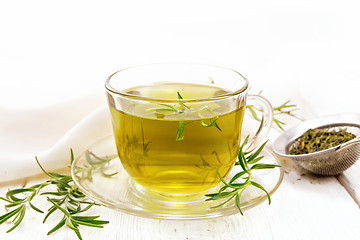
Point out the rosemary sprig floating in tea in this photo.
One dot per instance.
(181, 110)
(314, 140)
(248, 162)
(67, 198)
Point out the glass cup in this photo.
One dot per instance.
(177, 125)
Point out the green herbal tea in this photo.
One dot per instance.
(175, 148)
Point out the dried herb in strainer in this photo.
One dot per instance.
(314, 140)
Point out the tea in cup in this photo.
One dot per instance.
(176, 126)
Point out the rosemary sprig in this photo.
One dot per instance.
(248, 162)
(73, 221)
(183, 107)
(181, 110)
(95, 162)
(173, 109)
(284, 108)
(67, 198)
(14, 201)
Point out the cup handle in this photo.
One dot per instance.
(266, 120)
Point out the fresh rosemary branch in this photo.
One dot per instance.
(67, 198)
(248, 162)
(284, 108)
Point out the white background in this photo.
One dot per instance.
(51, 51)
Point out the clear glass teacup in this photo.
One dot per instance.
(177, 125)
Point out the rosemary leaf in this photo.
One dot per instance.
(237, 203)
(262, 188)
(50, 211)
(253, 111)
(179, 136)
(236, 176)
(255, 160)
(58, 226)
(18, 217)
(252, 157)
(264, 166)
(35, 208)
(8, 215)
(212, 123)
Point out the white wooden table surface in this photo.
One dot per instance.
(305, 51)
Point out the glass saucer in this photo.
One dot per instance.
(99, 174)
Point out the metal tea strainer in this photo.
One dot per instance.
(331, 161)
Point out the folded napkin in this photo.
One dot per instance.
(49, 133)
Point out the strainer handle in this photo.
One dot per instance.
(265, 122)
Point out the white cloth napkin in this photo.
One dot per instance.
(49, 133)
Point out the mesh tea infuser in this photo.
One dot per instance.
(331, 161)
